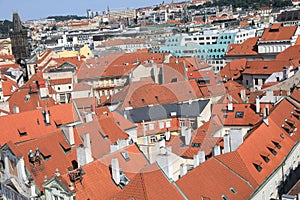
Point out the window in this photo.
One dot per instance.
(257, 167)
(224, 197)
(58, 88)
(70, 87)
(265, 158)
(277, 145)
(233, 190)
(146, 127)
(272, 151)
(239, 115)
(247, 82)
(181, 123)
(162, 136)
(256, 81)
(151, 126)
(195, 145)
(168, 124)
(153, 139)
(161, 125)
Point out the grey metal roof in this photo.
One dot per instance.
(165, 111)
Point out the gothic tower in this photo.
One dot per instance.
(19, 42)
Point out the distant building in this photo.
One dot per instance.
(19, 42)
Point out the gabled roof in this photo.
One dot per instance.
(56, 154)
(278, 32)
(266, 67)
(99, 145)
(149, 183)
(166, 111)
(20, 99)
(233, 69)
(242, 114)
(135, 96)
(204, 182)
(247, 48)
(28, 125)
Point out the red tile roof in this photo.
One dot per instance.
(149, 183)
(204, 182)
(266, 66)
(229, 118)
(233, 69)
(19, 98)
(247, 48)
(52, 146)
(278, 32)
(28, 125)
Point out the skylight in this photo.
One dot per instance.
(239, 115)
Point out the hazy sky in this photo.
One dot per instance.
(36, 9)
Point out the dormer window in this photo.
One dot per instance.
(257, 166)
(273, 151)
(233, 190)
(277, 145)
(265, 157)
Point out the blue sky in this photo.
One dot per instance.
(37, 9)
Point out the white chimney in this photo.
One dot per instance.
(236, 139)
(188, 136)
(216, 150)
(230, 106)
(183, 170)
(162, 143)
(87, 148)
(243, 95)
(226, 143)
(168, 135)
(201, 155)
(78, 57)
(266, 121)
(115, 170)
(69, 133)
(196, 160)
(267, 109)
(71, 187)
(257, 102)
(47, 118)
(16, 109)
(88, 117)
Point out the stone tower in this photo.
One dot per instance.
(19, 41)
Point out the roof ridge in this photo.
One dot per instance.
(235, 173)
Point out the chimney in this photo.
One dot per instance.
(57, 172)
(243, 96)
(257, 102)
(196, 160)
(267, 110)
(115, 170)
(165, 162)
(162, 143)
(183, 170)
(168, 135)
(21, 170)
(87, 148)
(69, 133)
(230, 105)
(201, 155)
(187, 133)
(185, 71)
(71, 187)
(155, 73)
(266, 121)
(226, 143)
(216, 150)
(46, 117)
(236, 139)
(78, 57)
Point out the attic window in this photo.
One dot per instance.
(272, 151)
(233, 190)
(257, 167)
(277, 145)
(22, 132)
(195, 145)
(265, 67)
(65, 146)
(265, 157)
(224, 197)
(239, 115)
(125, 156)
